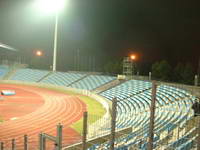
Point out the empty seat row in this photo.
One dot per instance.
(126, 89)
(92, 82)
(3, 70)
(62, 78)
(31, 75)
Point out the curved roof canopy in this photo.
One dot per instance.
(4, 46)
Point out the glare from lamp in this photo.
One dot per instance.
(50, 6)
(39, 53)
(133, 57)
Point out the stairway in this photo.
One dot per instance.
(108, 85)
(45, 76)
(77, 80)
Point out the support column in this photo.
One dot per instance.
(113, 123)
(152, 116)
(150, 76)
(42, 142)
(13, 144)
(196, 80)
(1, 146)
(198, 128)
(84, 137)
(25, 142)
(59, 137)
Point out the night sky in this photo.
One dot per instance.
(106, 30)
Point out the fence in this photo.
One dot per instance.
(129, 125)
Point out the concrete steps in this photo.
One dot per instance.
(45, 76)
(108, 85)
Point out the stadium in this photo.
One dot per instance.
(34, 102)
(99, 75)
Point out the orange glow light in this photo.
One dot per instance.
(39, 53)
(133, 57)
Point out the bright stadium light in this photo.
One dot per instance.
(48, 7)
(133, 57)
(39, 53)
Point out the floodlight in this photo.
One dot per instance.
(50, 6)
(39, 53)
(133, 57)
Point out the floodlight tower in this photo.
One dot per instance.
(128, 65)
(133, 58)
(52, 6)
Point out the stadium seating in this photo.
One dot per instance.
(62, 78)
(172, 108)
(166, 118)
(185, 141)
(3, 70)
(30, 75)
(92, 82)
(126, 89)
(133, 106)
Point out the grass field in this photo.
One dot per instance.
(95, 112)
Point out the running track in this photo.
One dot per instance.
(47, 109)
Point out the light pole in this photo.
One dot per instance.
(55, 42)
(48, 7)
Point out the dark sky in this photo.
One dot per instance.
(107, 29)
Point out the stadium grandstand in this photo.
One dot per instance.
(174, 124)
(8, 53)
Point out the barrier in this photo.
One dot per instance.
(140, 137)
(57, 139)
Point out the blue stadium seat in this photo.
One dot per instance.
(92, 82)
(62, 78)
(3, 70)
(31, 75)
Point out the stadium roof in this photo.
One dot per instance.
(4, 46)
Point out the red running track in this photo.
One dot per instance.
(33, 110)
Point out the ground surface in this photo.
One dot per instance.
(33, 110)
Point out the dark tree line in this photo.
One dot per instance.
(113, 67)
(181, 73)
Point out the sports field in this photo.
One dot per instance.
(33, 110)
